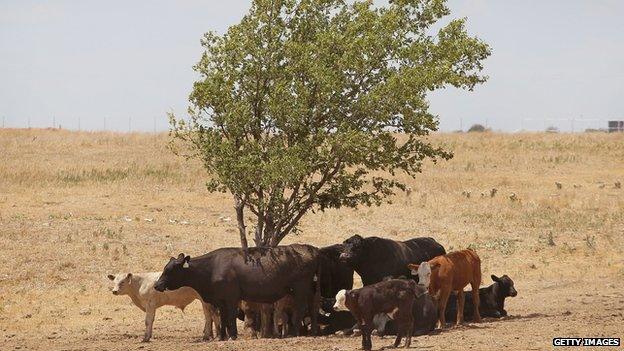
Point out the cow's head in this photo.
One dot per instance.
(352, 250)
(121, 283)
(341, 301)
(505, 285)
(175, 274)
(423, 271)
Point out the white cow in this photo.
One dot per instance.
(140, 288)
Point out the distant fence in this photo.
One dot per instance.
(161, 124)
(126, 124)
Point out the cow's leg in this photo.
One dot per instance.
(231, 319)
(285, 326)
(399, 335)
(461, 301)
(266, 312)
(313, 307)
(367, 328)
(216, 320)
(208, 315)
(475, 301)
(444, 296)
(297, 316)
(223, 311)
(409, 324)
(251, 321)
(277, 317)
(150, 314)
(409, 331)
(301, 297)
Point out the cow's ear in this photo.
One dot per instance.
(129, 276)
(186, 262)
(180, 256)
(111, 277)
(434, 266)
(495, 278)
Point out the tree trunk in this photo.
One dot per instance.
(239, 207)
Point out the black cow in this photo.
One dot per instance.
(225, 276)
(375, 258)
(491, 300)
(424, 311)
(337, 275)
(335, 321)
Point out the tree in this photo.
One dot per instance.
(477, 128)
(316, 104)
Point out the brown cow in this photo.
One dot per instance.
(394, 297)
(451, 272)
(257, 318)
(282, 309)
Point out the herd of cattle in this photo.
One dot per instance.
(409, 288)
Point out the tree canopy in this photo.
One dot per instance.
(317, 104)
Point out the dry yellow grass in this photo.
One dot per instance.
(76, 206)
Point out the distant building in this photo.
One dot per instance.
(616, 126)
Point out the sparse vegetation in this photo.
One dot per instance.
(40, 236)
(502, 245)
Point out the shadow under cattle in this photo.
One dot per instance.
(515, 317)
(420, 347)
(452, 328)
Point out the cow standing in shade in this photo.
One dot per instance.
(337, 274)
(264, 275)
(451, 272)
(376, 258)
(394, 297)
(140, 288)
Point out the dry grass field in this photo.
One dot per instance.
(77, 206)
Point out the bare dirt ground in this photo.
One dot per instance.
(77, 206)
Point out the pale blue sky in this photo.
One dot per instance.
(115, 60)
